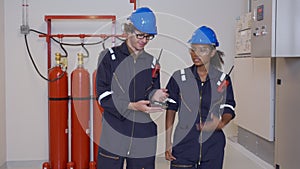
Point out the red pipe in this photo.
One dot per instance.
(134, 3)
(48, 40)
(64, 17)
(70, 165)
(82, 35)
(49, 18)
(97, 113)
(46, 165)
(93, 165)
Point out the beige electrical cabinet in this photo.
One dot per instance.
(267, 80)
(254, 93)
(254, 84)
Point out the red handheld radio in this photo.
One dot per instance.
(224, 82)
(156, 67)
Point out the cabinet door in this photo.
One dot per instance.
(254, 94)
(287, 149)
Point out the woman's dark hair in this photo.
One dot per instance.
(217, 60)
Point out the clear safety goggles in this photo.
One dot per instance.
(201, 51)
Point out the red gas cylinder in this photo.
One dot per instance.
(97, 114)
(58, 116)
(80, 113)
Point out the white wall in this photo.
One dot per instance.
(2, 88)
(26, 92)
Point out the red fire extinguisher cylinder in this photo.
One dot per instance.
(80, 112)
(58, 116)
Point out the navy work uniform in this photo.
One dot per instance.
(197, 101)
(126, 134)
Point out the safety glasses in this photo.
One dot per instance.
(201, 51)
(143, 35)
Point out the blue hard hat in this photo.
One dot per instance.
(204, 35)
(144, 20)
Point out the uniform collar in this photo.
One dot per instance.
(212, 73)
(124, 49)
(128, 52)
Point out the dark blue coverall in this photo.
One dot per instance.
(126, 134)
(196, 101)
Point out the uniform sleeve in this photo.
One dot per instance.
(103, 76)
(174, 93)
(229, 105)
(104, 90)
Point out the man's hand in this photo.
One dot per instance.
(143, 106)
(160, 95)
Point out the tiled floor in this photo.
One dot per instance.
(161, 163)
(236, 157)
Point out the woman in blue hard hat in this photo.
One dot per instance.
(125, 87)
(205, 104)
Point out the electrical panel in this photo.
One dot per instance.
(260, 71)
(275, 28)
(243, 35)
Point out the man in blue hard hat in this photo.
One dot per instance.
(205, 104)
(126, 89)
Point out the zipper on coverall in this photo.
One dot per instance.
(133, 119)
(200, 120)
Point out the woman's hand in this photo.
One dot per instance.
(217, 123)
(169, 156)
(212, 125)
